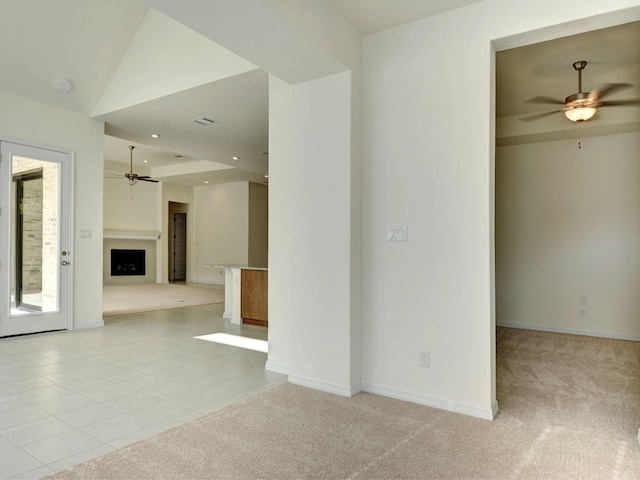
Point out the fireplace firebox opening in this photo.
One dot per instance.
(127, 262)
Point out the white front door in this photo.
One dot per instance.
(35, 239)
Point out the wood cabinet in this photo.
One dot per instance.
(254, 288)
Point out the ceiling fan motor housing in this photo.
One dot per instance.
(579, 99)
(132, 178)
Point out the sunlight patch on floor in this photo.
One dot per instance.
(237, 341)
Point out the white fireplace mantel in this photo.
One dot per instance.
(131, 235)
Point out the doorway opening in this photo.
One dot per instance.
(565, 262)
(178, 242)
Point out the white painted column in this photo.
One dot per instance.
(235, 295)
(311, 327)
(228, 293)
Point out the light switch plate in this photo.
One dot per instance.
(397, 234)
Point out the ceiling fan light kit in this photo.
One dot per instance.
(580, 114)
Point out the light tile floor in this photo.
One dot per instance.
(66, 397)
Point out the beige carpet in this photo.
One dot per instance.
(127, 299)
(570, 409)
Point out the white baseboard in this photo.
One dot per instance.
(227, 315)
(489, 414)
(326, 387)
(569, 331)
(485, 414)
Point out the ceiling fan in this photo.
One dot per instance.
(582, 106)
(133, 178)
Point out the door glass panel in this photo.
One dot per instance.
(34, 236)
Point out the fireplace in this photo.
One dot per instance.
(127, 262)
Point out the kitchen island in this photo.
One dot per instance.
(254, 288)
(246, 295)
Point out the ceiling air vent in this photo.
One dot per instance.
(204, 121)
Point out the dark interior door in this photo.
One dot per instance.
(179, 250)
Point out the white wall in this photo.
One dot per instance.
(568, 236)
(221, 235)
(32, 121)
(131, 207)
(282, 272)
(430, 169)
(425, 171)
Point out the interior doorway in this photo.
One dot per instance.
(178, 241)
(550, 223)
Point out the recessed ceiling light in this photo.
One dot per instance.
(266, 176)
(155, 135)
(62, 85)
(146, 161)
(177, 155)
(204, 121)
(236, 158)
(206, 181)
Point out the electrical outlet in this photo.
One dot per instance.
(424, 359)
